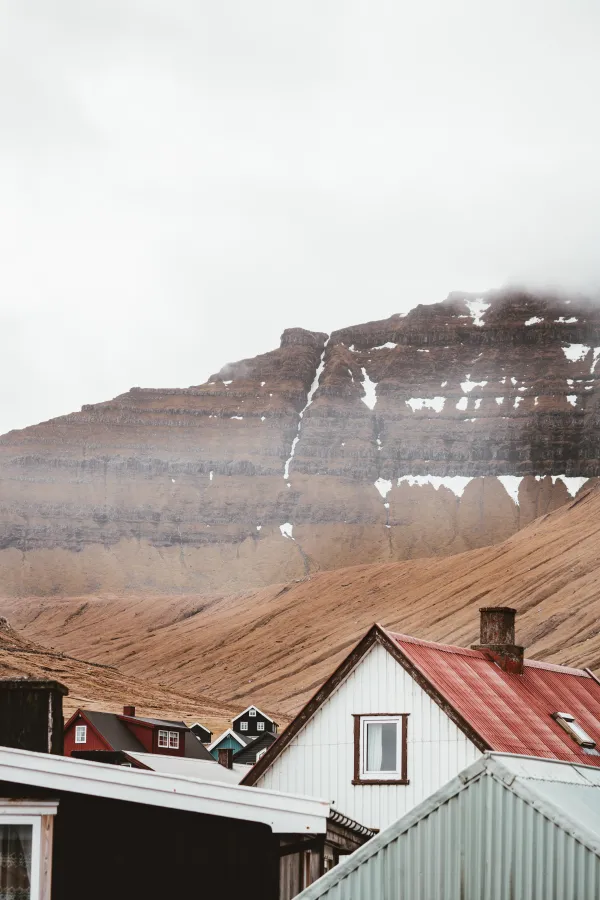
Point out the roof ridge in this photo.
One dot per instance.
(480, 654)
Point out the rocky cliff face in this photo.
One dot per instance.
(446, 429)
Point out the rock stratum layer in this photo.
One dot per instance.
(427, 434)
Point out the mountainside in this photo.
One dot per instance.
(420, 435)
(103, 687)
(275, 646)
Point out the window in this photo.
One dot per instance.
(80, 734)
(567, 721)
(260, 726)
(252, 712)
(25, 849)
(168, 739)
(380, 748)
(243, 726)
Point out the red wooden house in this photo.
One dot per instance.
(89, 731)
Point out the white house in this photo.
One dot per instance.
(400, 717)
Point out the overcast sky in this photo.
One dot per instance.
(182, 179)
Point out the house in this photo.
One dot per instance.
(229, 740)
(89, 731)
(71, 827)
(255, 749)
(506, 827)
(250, 724)
(201, 732)
(401, 716)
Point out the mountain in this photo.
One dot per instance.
(422, 435)
(275, 646)
(103, 687)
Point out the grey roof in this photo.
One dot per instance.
(247, 755)
(161, 722)
(202, 769)
(113, 730)
(483, 836)
(194, 748)
(245, 739)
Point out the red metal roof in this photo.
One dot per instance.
(512, 713)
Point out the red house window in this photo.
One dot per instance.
(168, 739)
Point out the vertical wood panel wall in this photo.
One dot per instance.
(319, 761)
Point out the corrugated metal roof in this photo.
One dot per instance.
(504, 827)
(512, 713)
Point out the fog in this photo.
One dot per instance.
(182, 181)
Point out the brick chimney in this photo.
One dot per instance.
(226, 758)
(497, 638)
(129, 711)
(31, 715)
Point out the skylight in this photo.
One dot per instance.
(567, 721)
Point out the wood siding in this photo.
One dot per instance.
(319, 761)
(252, 722)
(92, 740)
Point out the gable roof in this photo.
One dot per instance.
(111, 729)
(494, 709)
(567, 795)
(240, 738)
(511, 713)
(247, 755)
(203, 727)
(252, 706)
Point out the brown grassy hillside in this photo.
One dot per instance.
(275, 646)
(103, 687)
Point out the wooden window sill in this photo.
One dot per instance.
(367, 781)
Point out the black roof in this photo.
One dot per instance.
(113, 730)
(247, 755)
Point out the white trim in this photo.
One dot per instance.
(200, 725)
(234, 734)
(19, 812)
(283, 813)
(10, 808)
(252, 706)
(78, 728)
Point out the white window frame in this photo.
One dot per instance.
(173, 740)
(163, 738)
(243, 726)
(40, 815)
(570, 724)
(392, 775)
(78, 730)
(260, 726)
(252, 712)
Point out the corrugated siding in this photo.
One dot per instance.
(485, 843)
(319, 761)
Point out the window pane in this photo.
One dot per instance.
(15, 862)
(381, 746)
